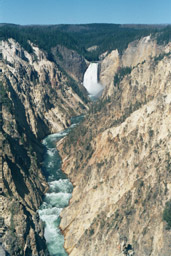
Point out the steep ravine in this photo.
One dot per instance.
(119, 163)
(60, 188)
(118, 159)
(24, 184)
(49, 97)
(58, 194)
(38, 99)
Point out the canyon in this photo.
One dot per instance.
(117, 158)
(121, 166)
(37, 100)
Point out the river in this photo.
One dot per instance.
(60, 188)
(59, 193)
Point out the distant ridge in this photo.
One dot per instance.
(80, 37)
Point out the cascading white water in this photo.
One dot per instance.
(60, 191)
(56, 198)
(91, 80)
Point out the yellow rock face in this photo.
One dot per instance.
(137, 52)
(37, 100)
(121, 188)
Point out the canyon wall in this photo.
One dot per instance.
(119, 162)
(118, 159)
(38, 99)
(137, 52)
(72, 62)
(43, 89)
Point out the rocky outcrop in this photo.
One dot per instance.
(121, 169)
(37, 99)
(73, 63)
(48, 98)
(137, 52)
(141, 50)
(23, 183)
(109, 67)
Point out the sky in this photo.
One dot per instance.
(26, 12)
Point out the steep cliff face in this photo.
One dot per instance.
(108, 67)
(37, 99)
(49, 100)
(43, 89)
(24, 184)
(121, 168)
(137, 52)
(73, 63)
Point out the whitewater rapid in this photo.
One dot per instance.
(90, 81)
(60, 188)
(58, 195)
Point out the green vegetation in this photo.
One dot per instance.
(91, 232)
(2, 91)
(167, 214)
(13, 31)
(4, 97)
(150, 133)
(120, 74)
(45, 37)
(76, 134)
(106, 37)
(14, 210)
(98, 105)
(76, 89)
(164, 37)
(161, 56)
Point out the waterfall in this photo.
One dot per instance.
(91, 80)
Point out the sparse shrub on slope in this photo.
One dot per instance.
(120, 74)
(167, 214)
